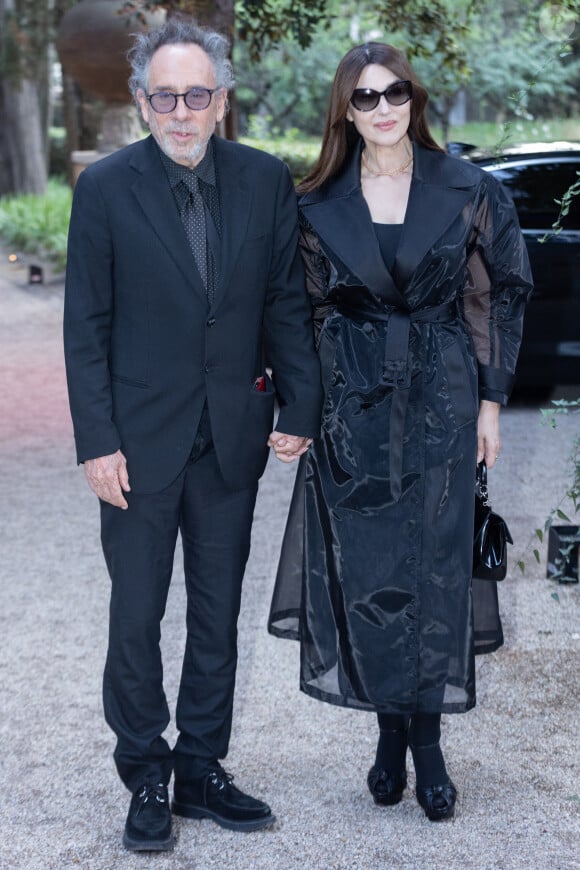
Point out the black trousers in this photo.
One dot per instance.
(139, 544)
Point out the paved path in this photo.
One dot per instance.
(61, 805)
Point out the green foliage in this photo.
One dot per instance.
(565, 204)
(258, 22)
(288, 80)
(38, 224)
(430, 27)
(289, 87)
(435, 29)
(299, 154)
(262, 22)
(521, 59)
(26, 30)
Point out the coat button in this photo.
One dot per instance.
(210, 322)
(206, 369)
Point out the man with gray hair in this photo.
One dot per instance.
(182, 264)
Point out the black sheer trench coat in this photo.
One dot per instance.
(375, 573)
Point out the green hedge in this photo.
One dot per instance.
(300, 155)
(38, 224)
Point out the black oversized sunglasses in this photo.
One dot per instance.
(197, 99)
(397, 94)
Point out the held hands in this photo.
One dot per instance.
(107, 477)
(288, 447)
(488, 442)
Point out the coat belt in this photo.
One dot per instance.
(396, 372)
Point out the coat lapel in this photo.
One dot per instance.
(340, 216)
(154, 194)
(440, 189)
(155, 197)
(236, 197)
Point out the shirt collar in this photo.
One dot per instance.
(205, 169)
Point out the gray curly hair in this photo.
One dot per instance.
(179, 30)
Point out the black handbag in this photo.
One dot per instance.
(490, 533)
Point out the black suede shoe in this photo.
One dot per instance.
(438, 801)
(213, 796)
(148, 825)
(387, 789)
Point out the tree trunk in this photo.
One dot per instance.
(24, 102)
(219, 15)
(445, 115)
(23, 148)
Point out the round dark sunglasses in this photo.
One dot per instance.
(397, 94)
(164, 102)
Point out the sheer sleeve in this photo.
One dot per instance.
(498, 285)
(317, 270)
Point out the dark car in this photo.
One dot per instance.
(536, 176)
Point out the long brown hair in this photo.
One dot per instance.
(340, 135)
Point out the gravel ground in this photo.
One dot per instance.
(513, 759)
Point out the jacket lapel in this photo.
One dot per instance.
(153, 193)
(236, 197)
(340, 216)
(440, 189)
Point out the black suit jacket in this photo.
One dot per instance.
(142, 349)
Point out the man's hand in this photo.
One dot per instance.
(107, 477)
(288, 447)
(488, 443)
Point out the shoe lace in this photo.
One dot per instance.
(151, 791)
(220, 779)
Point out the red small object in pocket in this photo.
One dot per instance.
(260, 384)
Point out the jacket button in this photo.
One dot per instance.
(206, 369)
(211, 322)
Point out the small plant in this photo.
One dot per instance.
(550, 417)
(38, 224)
(565, 204)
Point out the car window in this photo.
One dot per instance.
(535, 187)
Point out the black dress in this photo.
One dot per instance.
(375, 572)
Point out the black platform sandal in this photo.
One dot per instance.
(438, 801)
(387, 789)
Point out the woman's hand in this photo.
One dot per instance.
(488, 443)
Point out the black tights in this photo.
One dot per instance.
(421, 732)
(424, 729)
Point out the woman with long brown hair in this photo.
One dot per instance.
(418, 277)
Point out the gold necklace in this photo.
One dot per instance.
(389, 172)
